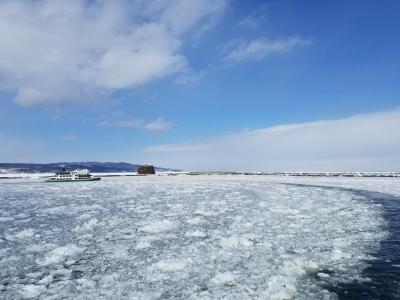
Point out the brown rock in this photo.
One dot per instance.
(146, 170)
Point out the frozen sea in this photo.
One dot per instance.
(200, 237)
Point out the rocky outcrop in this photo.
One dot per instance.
(146, 170)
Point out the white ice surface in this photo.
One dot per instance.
(183, 237)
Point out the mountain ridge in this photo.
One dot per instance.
(93, 166)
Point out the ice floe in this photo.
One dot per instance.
(181, 237)
(31, 291)
(171, 265)
(196, 233)
(159, 226)
(23, 234)
(225, 278)
(59, 254)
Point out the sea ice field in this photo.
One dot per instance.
(200, 237)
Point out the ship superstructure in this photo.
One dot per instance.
(76, 175)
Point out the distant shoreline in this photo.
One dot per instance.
(290, 174)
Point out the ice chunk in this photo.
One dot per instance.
(151, 295)
(195, 221)
(145, 241)
(32, 291)
(21, 216)
(24, 234)
(89, 225)
(225, 278)
(119, 252)
(248, 225)
(323, 275)
(338, 255)
(292, 269)
(60, 254)
(250, 291)
(85, 284)
(40, 247)
(143, 245)
(108, 281)
(235, 242)
(280, 288)
(47, 279)
(172, 265)
(159, 226)
(196, 233)
(307, 265)
(57, 210)
(85, 216)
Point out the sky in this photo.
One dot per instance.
(282, 85)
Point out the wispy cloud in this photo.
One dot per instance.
(190, 78)
(121, 121)
(237, 51)
(62, 51)
(159, 125)
(183, 147)
(255, 19)
(363, 142)
(70, 137)
(250, 22)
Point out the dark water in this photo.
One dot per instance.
(384, 272)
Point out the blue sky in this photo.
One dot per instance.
(170, 82)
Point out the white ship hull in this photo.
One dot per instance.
(74, 176)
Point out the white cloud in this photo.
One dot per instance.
(70, 137)
(158, 125)
(119, 120)
(77, 50)
(237, 51)
(181, 15)
(363, 142)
